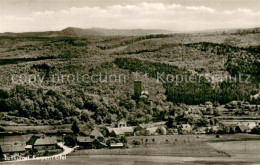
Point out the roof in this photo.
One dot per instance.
(116, 145)
(208, 103)
(86, 132)
(122, 120)
(243, 127)
(83, 139)
(151, 125)
(28, 147)
(145, 93)
(96, 133)
(13, 148)
(251, 125)
(152, 130)
(121, 131)
(46, 141)
(186, 126)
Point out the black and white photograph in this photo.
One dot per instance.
(129, 82)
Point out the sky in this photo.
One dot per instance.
(175, 15)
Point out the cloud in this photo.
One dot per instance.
(143, 15)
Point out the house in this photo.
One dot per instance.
(243, 128)
(151, 125)
(122, 123)
(152, 128)
(45, 143)
(186, 128)
(152, 131)
(89, 143)
(121, 131)
(251, 125)
(7, 150)
(116, 145)
(96, 133)
(85, 142)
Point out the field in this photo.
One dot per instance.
(181, 146)
(197, 149)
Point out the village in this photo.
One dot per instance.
(196, 120)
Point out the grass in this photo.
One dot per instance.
(191, 149)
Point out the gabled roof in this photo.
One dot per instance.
(46, 141)
(121, 131)
(96, 133)
(243, 127)
(13, 148)
(152, 130)
(122, 120)
(83, 139)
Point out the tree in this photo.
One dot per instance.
(203, 122)
(113, 134)
(170, 123)
(123, 139)
(256, 130)
(231, 130)
(75, 127)
(70, 140)
(84, 117)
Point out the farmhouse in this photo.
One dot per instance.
(45, 143)
(243, 128)
(121, 129)
(7, 150)
(85, 142)
(89, 143)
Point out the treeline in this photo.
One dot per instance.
(214, 47)
(20, 60)
(150, 49)
(195, 92)
(131, 41)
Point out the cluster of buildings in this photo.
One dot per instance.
(36, 145)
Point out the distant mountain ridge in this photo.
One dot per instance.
(78, 32)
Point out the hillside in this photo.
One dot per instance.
(40, 94)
